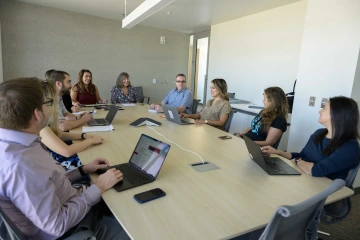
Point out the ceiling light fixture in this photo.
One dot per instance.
(143, 11)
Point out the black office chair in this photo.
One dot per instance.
(338, 211)
(231, 95)
(195, 105)
(8, 230)
(228, 121)
(140, 95)
(276, 145)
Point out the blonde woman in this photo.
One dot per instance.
(54, 139)
(217, 110)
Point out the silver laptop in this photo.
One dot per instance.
(144, 165)
(172, 115)
(107, 120)
(271, 165)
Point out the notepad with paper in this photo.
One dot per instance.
(107, 128)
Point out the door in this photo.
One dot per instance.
(199, 67)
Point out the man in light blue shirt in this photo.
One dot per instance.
(181, 97)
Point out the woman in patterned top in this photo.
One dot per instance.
(53, 138)
(123, 91)
(84, 91)
(269, 125)
(216, 112)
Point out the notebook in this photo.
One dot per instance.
(144, 165)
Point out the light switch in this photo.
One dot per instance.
(154, 81)
(312, 101)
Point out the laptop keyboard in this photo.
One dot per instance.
(97, 121)
(130, 175)
(275, 169)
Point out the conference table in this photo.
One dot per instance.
(233, 200)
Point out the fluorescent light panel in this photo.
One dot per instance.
(143, 11)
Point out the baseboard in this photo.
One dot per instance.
(357, 190)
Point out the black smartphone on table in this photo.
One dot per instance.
(149, 195)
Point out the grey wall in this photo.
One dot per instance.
(1, 70)
(36, 38)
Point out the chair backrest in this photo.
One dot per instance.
(231, 95)
(299, 221)
(8, 230)
(276, 145)
(140, 95)
(339, 210)
(195, 105)
(228, 121)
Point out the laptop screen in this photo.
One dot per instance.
(149, 155)
(111, 114)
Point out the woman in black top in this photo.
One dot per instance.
(269, 125)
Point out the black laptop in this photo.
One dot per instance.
(144, 165)
(271, 165)
(107, 120)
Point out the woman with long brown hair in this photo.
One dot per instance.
(217, 110)
(84, 91)
(269, 125)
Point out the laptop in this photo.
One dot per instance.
(271, 165)
(172, 115)
(107, 120)
(144, 165)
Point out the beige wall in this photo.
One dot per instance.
(258, 51)
(36, 38)
(1, 64)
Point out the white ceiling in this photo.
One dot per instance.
(188, 16)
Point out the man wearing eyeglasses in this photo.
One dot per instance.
(67, 120)
(181, 97)
(36, 192)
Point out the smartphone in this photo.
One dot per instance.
(225, 137)
(149, 195)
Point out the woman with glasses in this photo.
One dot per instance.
(54, 139)
(84, 91)
(334, 150)
(269, 125)
(217, 110)
(123, 91)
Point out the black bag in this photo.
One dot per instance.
(290, 97)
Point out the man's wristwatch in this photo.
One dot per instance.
(206, 121)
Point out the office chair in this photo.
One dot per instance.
(299, 221)
(140, 95)
(195, 105)
(8, 230)
(339, 210)
(231, 95)
(228, 121)
(276, 145)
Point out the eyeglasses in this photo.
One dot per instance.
(49, 102)
(180, 81)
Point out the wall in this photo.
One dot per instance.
(36, 39)
(328, 62)
(258, 51)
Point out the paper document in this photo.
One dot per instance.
(108, 128)
(82, 112)
(128, 104)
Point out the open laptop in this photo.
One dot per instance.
(172, 115)
(144, 165)
(107, 120)
(271, 165)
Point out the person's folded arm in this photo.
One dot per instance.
(66, 125)
(70, 116)
(345, 157)
(186, 102)
(49, 138)
(274, 134)
(219, 123)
